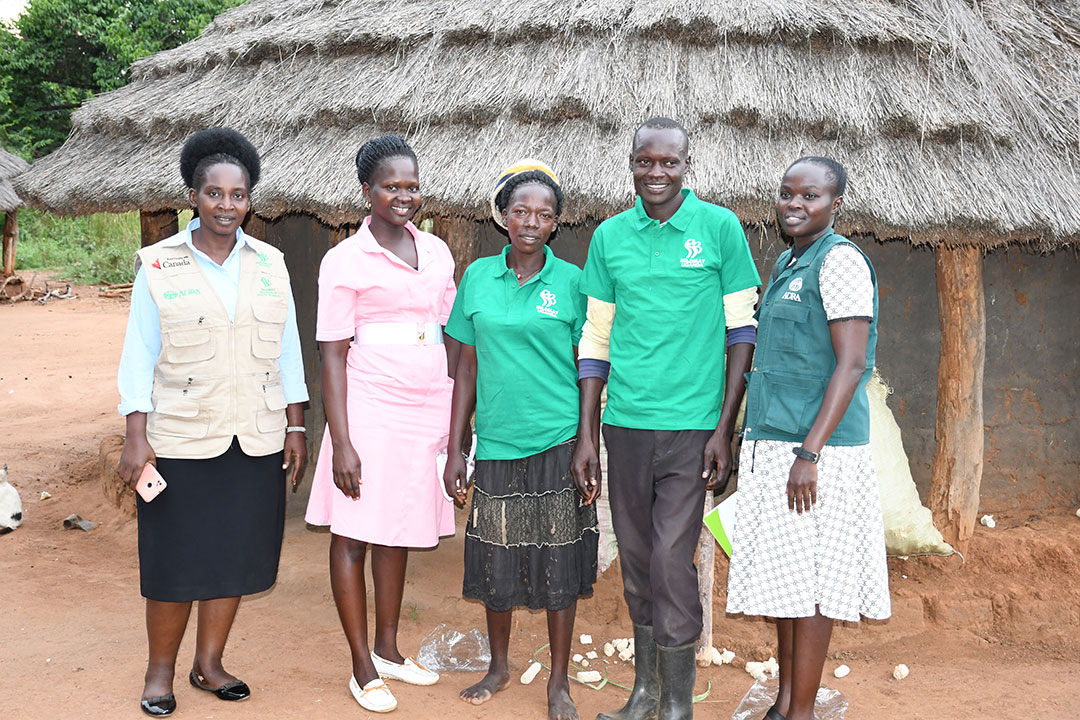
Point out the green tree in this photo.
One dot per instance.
(60, 52)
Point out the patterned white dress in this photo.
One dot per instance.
(784, 564)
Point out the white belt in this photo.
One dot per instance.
(399, 333)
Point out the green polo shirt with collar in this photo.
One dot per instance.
(668, 284)
(526, 377)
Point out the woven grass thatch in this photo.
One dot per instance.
(10, 165)
(959, 121)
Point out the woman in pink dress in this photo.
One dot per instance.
(384, 295)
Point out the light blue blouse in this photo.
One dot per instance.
(142, 342)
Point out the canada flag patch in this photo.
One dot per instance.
(156, 263)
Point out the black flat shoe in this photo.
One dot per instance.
(233, 691)
(158, 706)
(773, 714)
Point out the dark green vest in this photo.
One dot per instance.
(794, 358)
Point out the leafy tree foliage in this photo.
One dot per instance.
(60, 52)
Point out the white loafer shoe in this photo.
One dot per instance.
(409, 671)
(375, 696)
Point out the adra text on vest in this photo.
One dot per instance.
(793, 290)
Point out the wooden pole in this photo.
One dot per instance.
(958, 461)
(706, 562)
(11, 239)
(463, 239)
(157, 225)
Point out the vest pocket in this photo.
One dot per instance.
(272, 417)
(791, 404)
(268, 329)
(788, 322)
(176, 413)
(187, 342)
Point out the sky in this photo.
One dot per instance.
(10, 8)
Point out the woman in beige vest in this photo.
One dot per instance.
(212, 386)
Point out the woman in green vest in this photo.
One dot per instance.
(530, 540)
(810, 547)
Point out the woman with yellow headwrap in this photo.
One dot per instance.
(530, 540)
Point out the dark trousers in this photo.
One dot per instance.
(657, 498)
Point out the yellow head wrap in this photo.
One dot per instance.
(520, 166)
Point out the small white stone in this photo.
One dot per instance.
(586, 639)
(988, 521)
(900, 671)
(716, 657)
(625, 655)
(621, 644)
(591, 655)
(756, 670)
(529, 675)
(842, 671)
(584, 663)
(771, 666)
(609, 649)
(577, 657)
(45, 495)
(590, 676)
(726, 656)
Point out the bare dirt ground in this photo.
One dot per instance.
(995, 637)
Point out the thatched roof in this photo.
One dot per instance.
(10, 165)
(958, 121)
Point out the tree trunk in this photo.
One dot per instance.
(11, 239)
(157, 225)
(706, 567)
(463, 239)
(958, 461)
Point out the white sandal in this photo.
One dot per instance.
(409, 671)
(375, 696)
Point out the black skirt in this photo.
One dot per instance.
(529, 541)
(215, 531)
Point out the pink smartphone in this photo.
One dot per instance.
(150, 483)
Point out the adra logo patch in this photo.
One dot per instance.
(693, 249)
(548, 299)
(793, 289)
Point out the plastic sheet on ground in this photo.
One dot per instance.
(446, 650)
(829, 705)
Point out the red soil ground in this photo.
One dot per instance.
(994, 637)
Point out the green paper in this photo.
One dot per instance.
(721, 523)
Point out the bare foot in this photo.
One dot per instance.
(482, 691)
(560, 706)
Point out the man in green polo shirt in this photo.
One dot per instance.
(667, 280)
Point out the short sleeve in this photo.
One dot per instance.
(595, 279)
(581, 304)
(737, 269)
(459, 326)
(338, 293)
(450, 293)
(847, 290)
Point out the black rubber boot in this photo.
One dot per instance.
(677, 668)
(645, 697)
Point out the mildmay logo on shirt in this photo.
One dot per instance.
(263, 260)
(693, 249)
(793, 289)
(267, 290)
(548, 298)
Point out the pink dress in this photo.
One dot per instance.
(398, 395)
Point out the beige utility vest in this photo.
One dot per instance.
(217, 378)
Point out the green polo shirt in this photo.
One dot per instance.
(668, 285)
(526, 377)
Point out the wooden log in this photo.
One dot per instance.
(157, 225)
(11, 240)
(706, 565)
(958, 460)
(462, 236)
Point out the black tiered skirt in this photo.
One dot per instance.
(529, 541)
(216, 530)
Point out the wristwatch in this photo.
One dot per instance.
(805, 454)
